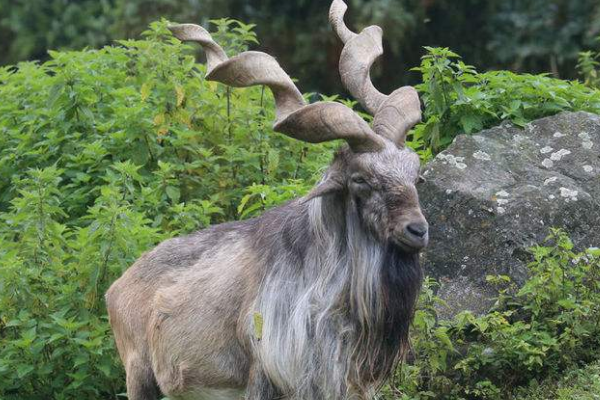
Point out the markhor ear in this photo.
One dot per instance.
(332, 182)
(329, 186)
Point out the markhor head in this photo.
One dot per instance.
(376, 169)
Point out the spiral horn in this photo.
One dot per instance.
(314, 123)
(394, 114)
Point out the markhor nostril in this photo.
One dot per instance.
(418, 229)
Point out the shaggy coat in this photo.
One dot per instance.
(311, 300)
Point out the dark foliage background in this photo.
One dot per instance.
(524, 36)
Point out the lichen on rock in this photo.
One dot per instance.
(485, 214)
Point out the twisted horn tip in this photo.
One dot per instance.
(336, 18)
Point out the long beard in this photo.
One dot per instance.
(383, 338)
(402, 277)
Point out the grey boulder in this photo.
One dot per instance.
(492, 195)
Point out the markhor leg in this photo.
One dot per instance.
(141, 384)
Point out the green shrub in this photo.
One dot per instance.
(103, 153)
(54, 335)
(458, 99)
(578, 383)
(588, 67)
(549, 324)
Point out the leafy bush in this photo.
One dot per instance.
(143, 106)
(549, 324)
(588, 67)
(54, 335)
(103, 153)
(459, 99)
(575, 384)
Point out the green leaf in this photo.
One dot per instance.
(24, 370)
(173, 193)
(257, 319)
(471, 123)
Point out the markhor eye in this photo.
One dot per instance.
(359, 180)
